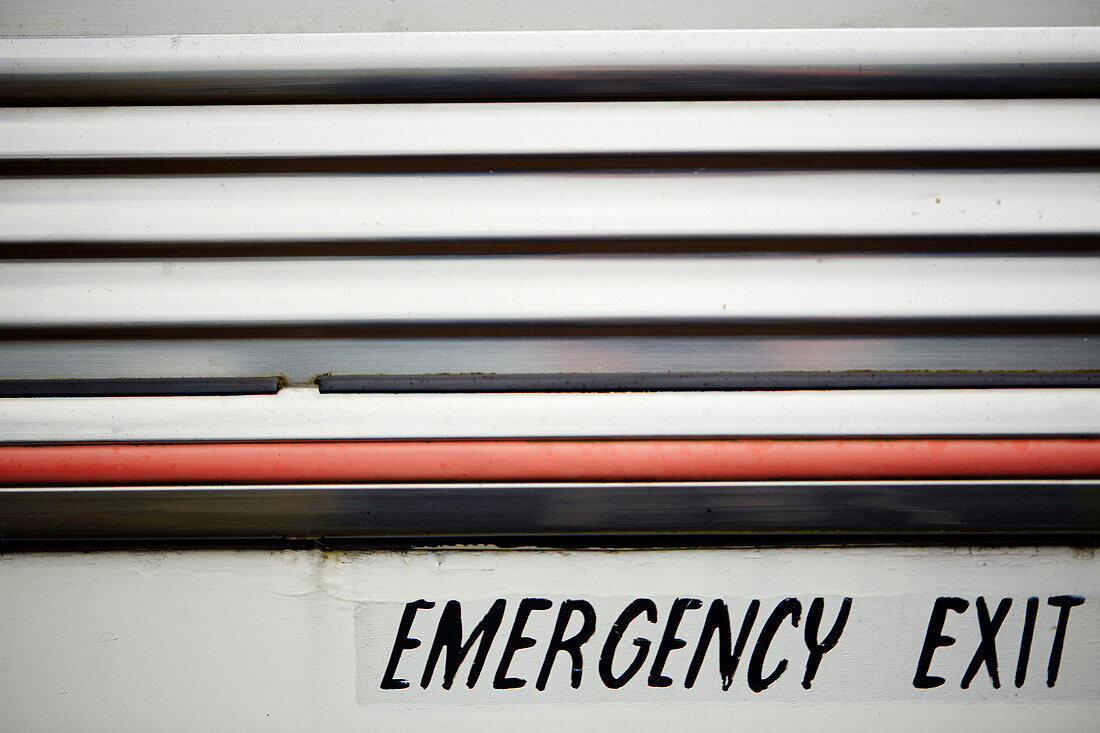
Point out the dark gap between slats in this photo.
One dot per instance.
(1016, 245)
(963, 327)
(808, 160)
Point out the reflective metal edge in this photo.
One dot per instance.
(639, 128)
(300, 360)
(485, 510)
(304, 414)
(516, 65)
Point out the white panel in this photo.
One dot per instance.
(547, 128)
(387, 207)
(129, 17)
(302, 413)
(406, 53)
(384, 290)
(298, 640)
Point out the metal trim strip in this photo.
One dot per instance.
(815, 510)
(139, 387)
(301, 359)
(544, 460)
(621, 381)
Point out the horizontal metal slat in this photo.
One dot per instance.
(304, 414)
(876, 509)
(301, 359)
(544, 290)
(637, 128)
(335, 207)
(829, 63)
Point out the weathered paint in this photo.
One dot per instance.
(250, 640)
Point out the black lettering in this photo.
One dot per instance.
(1030, 613)
(986, 653)
(1063, 604)
(669, 641)
(718, 618)
(517, 641)
(820, 649)
(572, 645)
(636, 608)
(402, 642)
(934, 639)
(448, 635)
(789, 607)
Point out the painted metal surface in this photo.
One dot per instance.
(970, 247)
(342, 207)
(297, 640)
(515, 460)
(543, 129)
(304, 414)
(126, 17)
(554, 290)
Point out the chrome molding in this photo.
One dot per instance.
(554, 65)
(301, 360)
(424, 511)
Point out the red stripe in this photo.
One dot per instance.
(546, 460)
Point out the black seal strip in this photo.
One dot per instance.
(703, 381)
(138, 387)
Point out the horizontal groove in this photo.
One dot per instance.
(138, 387)
(1057, 327)
(553, 65)
(532, 460)
(305, 414)
(815, 510)
(993, 160)
(302, 359)
(821, 134)
(389, 207)
(973, 244)
(700, 381)
(545, 291)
